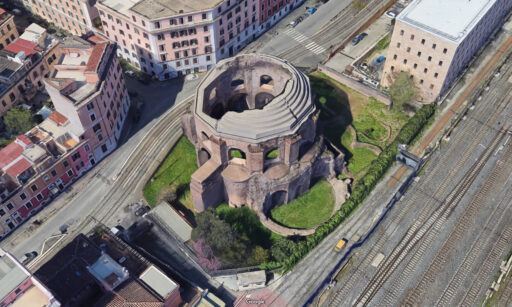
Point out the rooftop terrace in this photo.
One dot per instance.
(155, 9)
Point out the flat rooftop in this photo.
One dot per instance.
(451, 20)
(11, 274)
(155, 9)
(158, 281)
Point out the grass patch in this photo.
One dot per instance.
(176, 169)
(236, 153)
(272, 154)
(368, 125)
(361, 158)
(308, 210)
(360, 4)
(383, 43)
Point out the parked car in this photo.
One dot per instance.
(25, 259)
(339, 246)
(390, 14)
(380, 60)
(358, 38)
(130, 73)
(311, 10)
(142, 210)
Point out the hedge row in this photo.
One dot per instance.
(365, 185)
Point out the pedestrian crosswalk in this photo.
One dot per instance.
(304, 40)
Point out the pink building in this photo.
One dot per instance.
(75, 16)
(88, 91)
(435, 40)
(167, 38)
(19, 288)
(36, 167)
(87, 87)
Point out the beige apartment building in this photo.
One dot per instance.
(435, 40)
(75, 16)
(8, 31)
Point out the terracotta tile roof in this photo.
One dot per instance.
(10, 153)
(2, 11)
(23, 45)
(58, 118)
(96, 39)
(94, 59)
(131, 293)
(23, 138)
(18, 167)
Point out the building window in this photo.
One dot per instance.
(75, 156)
(440, 63)
(92, 116)
(46, 178)
(10, 206)
(23, 196)
(39, 196)
(398, 45)
(65, 163)
(415, 65)
(419, 53)
(423, 41)
(394, 57)
(401, 32)
(2, 212)
(445, 50)
(69, 172)
(425, 70)
(431, 86)
(429, 58)
(205, 28)
(405, 61)
(408, 49)
(421, 81)
(104, 148)
(33, 187)
(53, 173)
(392, 68)
(434, 46)
(435, 75)
(28, 205)
(204, 15)
(157, 25)
(412, 37)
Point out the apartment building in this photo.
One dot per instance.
(87, 87)
(20, 287)
(36, 167)
(110, 275)
(8, 31)
(167, 38)
(435, 40)
(75, 16)
(91, 101)
(23, 65)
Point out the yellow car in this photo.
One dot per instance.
(339, 245)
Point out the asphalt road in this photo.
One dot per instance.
(311, 40)
(444, 242)
(103, 193)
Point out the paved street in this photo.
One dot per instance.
(99, 189)
(311, 40)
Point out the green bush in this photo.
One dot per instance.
(375, 172)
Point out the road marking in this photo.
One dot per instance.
(304, 41)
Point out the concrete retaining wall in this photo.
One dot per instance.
(361, 88)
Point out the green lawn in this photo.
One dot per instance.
(308, 210)
(176, 169)
(361, 158)
(368, 125)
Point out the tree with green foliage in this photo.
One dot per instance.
(282, 249)
(18, 120)
(401, 91)
(258, 255)
(217, 233)
(246, 223)
(4, 142)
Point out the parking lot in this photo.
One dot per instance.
(364, 53)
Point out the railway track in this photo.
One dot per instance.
(426, 224)
(442, 169)
(161, 135)
(492, 185)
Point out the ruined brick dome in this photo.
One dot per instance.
(254, 98)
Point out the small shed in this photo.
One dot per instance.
(251, 280)
(168, 216)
